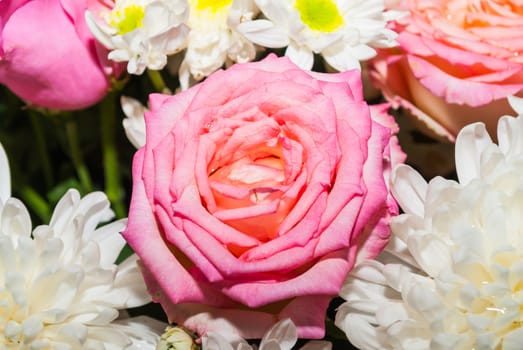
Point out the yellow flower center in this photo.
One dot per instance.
(320, 15)
(211, 5)
(126, 19)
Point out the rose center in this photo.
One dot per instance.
(127, 18)
(253, 184)
(320, 15)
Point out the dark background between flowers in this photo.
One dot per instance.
(50, 152)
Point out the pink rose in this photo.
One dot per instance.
(459, 60)
(48, 57)
(255, 193)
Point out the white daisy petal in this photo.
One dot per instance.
(300, 55)
(463, 290)
(264, 33)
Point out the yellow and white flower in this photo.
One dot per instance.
(344, 32)
(141, 32)
(59, 285)
(452, 275)
(213, 40)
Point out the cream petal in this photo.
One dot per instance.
(317, 345)
(302, 56)
(516, 103)
(5, 176)
(409, 188)
(472, 140)
(263, 32)
(509, 134)
(14, 219)
(283, 333)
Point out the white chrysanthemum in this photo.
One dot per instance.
(213, 39)
(452, 276)
(344, 32)
(59, 285)
(282, 336)
(141, 32)
(134, 121)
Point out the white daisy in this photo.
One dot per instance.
(59, 285)
(141, 32)
(344, 32)
(213, 39)
(282, 336)
(134, 121)
(452, 276)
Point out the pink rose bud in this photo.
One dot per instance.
(48, 57)
(256, 192)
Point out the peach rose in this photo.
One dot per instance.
(255, 193)
(457, 63)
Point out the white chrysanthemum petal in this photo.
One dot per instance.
(15, 219)
(509, 135)
(5, 176)
(472, 141)
(214, 341)
(516, 103)
(282, 336)
(464, 291)
(429, 248)
(359, 330)
(108, 244)
(317, 345)
(283, 333)
(409, 188)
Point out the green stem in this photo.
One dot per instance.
(34, 201)
(113, 185)
(157, 81)
(76, 156)
(42, 148)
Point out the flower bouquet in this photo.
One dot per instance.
(260, 174)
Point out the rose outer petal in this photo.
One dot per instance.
(66, 74)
